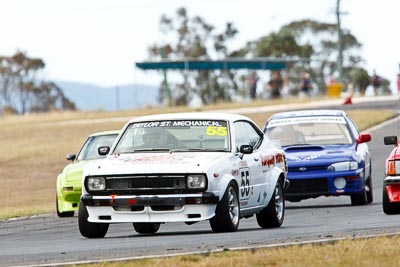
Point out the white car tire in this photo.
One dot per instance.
(274, 213)
(227, 213)
(88, 229)
(146, 228)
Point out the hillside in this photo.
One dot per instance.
(94, 97)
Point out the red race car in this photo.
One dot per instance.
(391, 183)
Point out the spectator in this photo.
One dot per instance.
(398, 84)
(305, 85)
(286, 87)
(252, 80)
(275, 84)
(375, 80)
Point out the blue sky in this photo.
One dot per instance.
(98, 41)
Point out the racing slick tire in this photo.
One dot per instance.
(389, 208)
(365, 197)
(63, 214)
(293, 199)
(146, 228)
(227, 213)
(370, 196)
(274, 213)
(359, 199)
(88, 229)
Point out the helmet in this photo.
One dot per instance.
(151, 136)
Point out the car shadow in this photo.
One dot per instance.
(186, 233)
(324, 206)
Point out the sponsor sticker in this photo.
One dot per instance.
(267, 160)
(300, 120)
(182, 123)
(305, 158)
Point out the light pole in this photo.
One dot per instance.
(117, 98)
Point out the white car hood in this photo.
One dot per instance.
(143, 163)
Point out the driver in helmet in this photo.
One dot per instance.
(151, 138)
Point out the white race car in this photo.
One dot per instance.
(185, 167)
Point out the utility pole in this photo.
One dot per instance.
(165, 85)
(340, 43)
(117, 98)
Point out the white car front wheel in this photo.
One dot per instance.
(227, 213)
(88, 229)
(146, 228)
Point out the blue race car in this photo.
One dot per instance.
(326, 154)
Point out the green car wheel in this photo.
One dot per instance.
(63, 214)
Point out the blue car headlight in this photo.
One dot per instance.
(343, 166)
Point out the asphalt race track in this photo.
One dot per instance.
(49, 240)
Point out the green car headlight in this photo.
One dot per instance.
(96, 183)
(197, 181)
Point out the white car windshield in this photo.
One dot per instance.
(175, 135)
(311, 131)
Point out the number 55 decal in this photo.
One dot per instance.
(214, 130)
(245, 183)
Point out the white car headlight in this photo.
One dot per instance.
(197, 181)
(343, 166)
(96, 183)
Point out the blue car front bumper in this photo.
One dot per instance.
(312, 184)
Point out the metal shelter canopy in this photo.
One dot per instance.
(264, 63)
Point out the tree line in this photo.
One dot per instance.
(21, 89)
(195, 38)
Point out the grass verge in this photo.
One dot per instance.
(371, 252)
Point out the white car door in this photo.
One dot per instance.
(250, 171)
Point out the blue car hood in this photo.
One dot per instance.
(318, 155)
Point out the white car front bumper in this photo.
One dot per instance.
(156, 209)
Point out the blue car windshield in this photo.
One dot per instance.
(310, 133)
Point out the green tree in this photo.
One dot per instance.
(25, 71)
(22, 91)
(281, 44)
(323, 40)
(195, 38)
(317, 43)
(48, 97)
(6, 84)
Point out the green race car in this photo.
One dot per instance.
(69, 181)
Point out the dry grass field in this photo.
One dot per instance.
(33, 149)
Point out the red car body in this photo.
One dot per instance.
(391, 183)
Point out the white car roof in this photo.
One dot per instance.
(192, 115)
